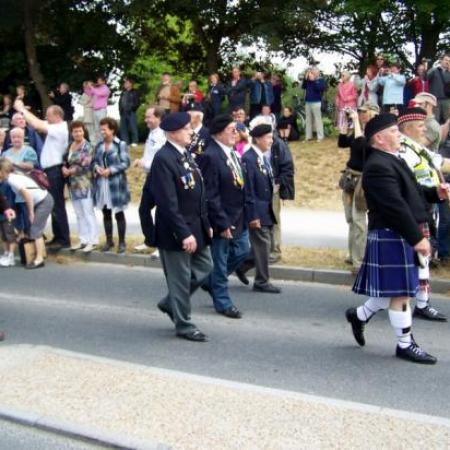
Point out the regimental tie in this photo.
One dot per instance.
(268, 167)
(236, 169)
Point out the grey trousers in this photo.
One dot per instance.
(184, 274)
(313, 118)
(260, 251)
(275, 249)
(442, 111)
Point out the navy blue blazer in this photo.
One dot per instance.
(225, 196)
(179, 193)
(258, 190)
(199, 142)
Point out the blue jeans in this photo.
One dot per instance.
(444, 230)
(228, 255)
(128, 124)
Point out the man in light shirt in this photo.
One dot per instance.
(51, 160)
(155, 140)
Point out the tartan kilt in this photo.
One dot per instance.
(389, 268)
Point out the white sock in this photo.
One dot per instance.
(422, 297)
(371, 307)
(401, 321)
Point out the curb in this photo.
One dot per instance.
(287, 273)
(82, 433)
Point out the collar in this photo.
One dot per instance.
(181, 149)
(197, 129)
(258, 151)
(225, 148)
(411, 143)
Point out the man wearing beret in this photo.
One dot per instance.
(224, 183)
(395, 243)
(258, 185)
(182, 229)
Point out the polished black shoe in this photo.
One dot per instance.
(429, 313)
(357, 326)
(196, 336)
(267, 289)
(121, 248)
(165, 311)
(415, 354)
(232, 313)
(107, 247)
(242, 277)
(205, 287)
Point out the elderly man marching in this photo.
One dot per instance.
(224, 182)
(182, 230)
(397, 211)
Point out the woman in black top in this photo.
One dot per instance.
(350, 182)
(287, 125)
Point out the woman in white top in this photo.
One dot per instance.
(39, 205)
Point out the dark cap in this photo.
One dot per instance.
(411, 114)
(261, 130)
(175, 121)
(219, 123)
(379, 123)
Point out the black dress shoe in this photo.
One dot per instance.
(165, 311)
(196, 336)
(32, 265)
(205, 287)
(415, 354)
(429, 313)
(357, 326)
(107, 247)
(241, 276)
(232, 313)
(267, 289)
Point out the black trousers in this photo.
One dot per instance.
(145, 209)
(60, 224)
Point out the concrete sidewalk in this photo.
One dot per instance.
(145, 407)
(299, 226)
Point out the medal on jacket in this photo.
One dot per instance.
(188, 179)
(237, 177)
(262, 167)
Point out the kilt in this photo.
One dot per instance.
(388, 268)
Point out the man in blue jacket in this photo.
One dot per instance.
(224, 183)
(182, 229)
(261, 93)
(314, 87)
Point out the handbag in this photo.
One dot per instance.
(348, 180)
(359, 196)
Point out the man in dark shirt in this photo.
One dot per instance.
(63, 98)
(397, 214)
(128, 105)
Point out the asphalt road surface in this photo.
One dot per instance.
(298, 341)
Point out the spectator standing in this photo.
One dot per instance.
(346, 98)
(155, 140)
(393, 83)
(261, 93)
(277, 87)
(439, 79)
(6, 111)
(51, 160)
(193, 97)
(88, 111)
(419, 83)
(31, 137)
(100, 94)
(163, 94)
(7, 232)
(434, 132)
(78, 174)
(63, 98)
(444, 214)
(128, 105)
(111, 193)
(314, 87)
(216, 94)
(39, 206)
(369, 87)
(175, 96)
(236, 90)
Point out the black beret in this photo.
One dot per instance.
(411, 114)
(379, 123)
(175, 121)
(219, 123)
(261, 130)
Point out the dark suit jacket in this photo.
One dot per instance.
(394, 198)
(283, 168)
(258, 190)
(225, 199)
(180, 212)
(236, 94)
(199, 142)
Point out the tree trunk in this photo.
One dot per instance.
(30, 48)
(212, 59)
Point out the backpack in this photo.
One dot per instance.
(39, 177)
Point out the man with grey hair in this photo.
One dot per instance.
(200, 137)
(51, 160)
(433, 134)
(439, 78)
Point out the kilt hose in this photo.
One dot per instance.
(389, 268)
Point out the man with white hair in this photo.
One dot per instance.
(51, 160)
(433, 135)
(200, 136)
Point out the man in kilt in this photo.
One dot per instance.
(397, 210)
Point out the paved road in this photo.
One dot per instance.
(300, 227)
(297, 341)
(18, 437)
